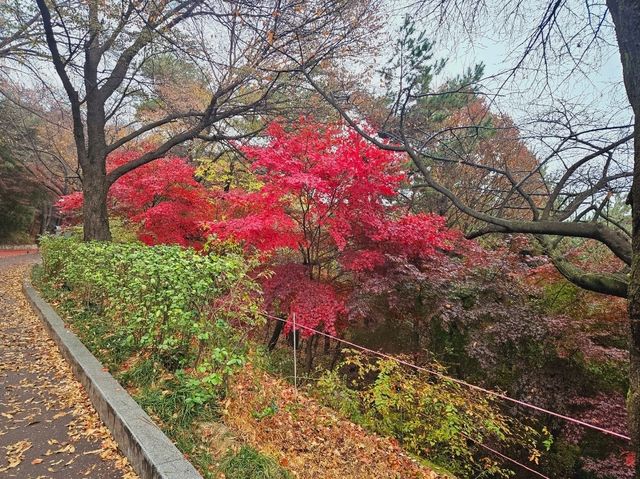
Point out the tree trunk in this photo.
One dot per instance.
(96, 217)
(633, 401)
(336, 356)
(626, 18)
(276, 334)
(310, 353)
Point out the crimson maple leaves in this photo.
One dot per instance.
(328, 211)
(161, 198)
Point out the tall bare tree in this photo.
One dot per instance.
(241, 51)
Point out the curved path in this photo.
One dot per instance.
(48, 428)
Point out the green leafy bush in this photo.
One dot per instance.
(432, 417)
(165, 307)
(163, 320)
(122, 231)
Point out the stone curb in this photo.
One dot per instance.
(150, 452)
(18, 246)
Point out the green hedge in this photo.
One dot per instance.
(165, 304)
(163, 320)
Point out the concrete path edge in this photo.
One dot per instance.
(149, 450)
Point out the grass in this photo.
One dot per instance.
(248, 463)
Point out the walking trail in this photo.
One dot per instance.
(48, 428)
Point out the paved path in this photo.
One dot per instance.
(48, 428)
(4, 253)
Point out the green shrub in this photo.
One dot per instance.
(122, 231)
(161, 319)
(165, 307)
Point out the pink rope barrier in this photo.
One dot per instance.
(458, 381)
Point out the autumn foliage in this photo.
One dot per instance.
(330, 218)
(162, 198)
(328, 209)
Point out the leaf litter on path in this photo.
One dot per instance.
(48, 427)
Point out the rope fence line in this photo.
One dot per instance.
(295, 377)
(457, 381)
(507, 458)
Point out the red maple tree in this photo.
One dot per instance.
(161, 198)
(327, 212)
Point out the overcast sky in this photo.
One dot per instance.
(595, 84)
